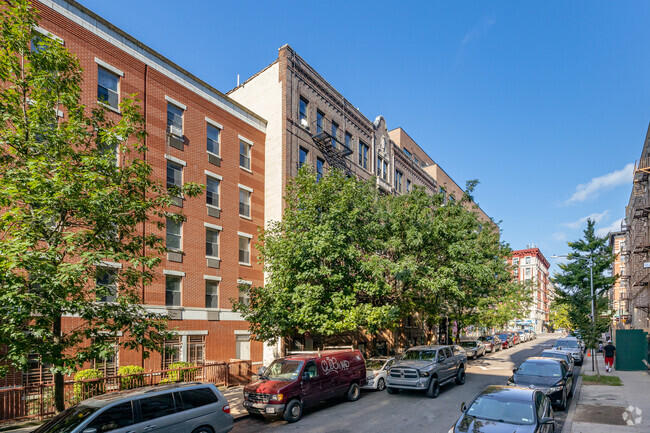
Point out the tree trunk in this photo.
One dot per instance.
(59, 401)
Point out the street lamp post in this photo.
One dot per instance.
(593, 306)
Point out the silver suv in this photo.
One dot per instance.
(185, 407)
(572, 345)
(425, 368)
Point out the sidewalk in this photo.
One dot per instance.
(610, 409)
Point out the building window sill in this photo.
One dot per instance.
(245, 264)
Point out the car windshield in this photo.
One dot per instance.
(500, 408)
(284, 370)
(468, 343)
(68, 420)
(571, 344)
(426, 355)
(543, 369)
(374, 364)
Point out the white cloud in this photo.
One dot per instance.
(595, 217)
(613, 227)
(478, 31)
(598, 184)
(559, 236)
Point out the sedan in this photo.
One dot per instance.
(559, 354)
(506, 409)
(548, 375)
(376, 371)
(507, 340)
(474, 348)
(523, 336)
(492, 343)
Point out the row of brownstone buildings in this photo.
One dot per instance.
(244, 146)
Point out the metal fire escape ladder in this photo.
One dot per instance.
(334, 151)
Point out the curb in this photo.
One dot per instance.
(566, 428)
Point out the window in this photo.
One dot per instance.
(173, 237)
(244, 294)
(213, 139)
(310, 369)
(348, 140)
(196, 349)
(212, 191)
(398, 180)
(382, 168)
(378, 168)
(527, 273)
(243, 347)
(303, 118)
(515, 261)
(416, 160)
(174, 120)
(171, 352)
(244, 250)
(244, 155)
(364, 149)
(302, 157)
(174, 175)
(407, 153)
(408, 185)
(197, 398)
(319, 121)
(157, 406)
(211, 294)
(319, 168)
(107, 87)
(244, 203)
(112, 419)
(172, 291)
(106, 283)
(385, 172)
(335, 132)
(211, 243)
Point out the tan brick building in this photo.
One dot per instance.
(195, 134)
(533, 267)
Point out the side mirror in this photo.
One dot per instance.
(261, 370)
(463, 407)
(547, 420)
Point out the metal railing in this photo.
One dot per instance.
(37, 401)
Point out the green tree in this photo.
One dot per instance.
(574, 283)
(559, 315)
(322, 273)
(68, 209)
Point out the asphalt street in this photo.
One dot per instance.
(410, 412)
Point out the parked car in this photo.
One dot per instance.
(178, 408)
(516, 339)
(290, 383)
(376, 372)
(426, 368)
(559, 354)
(571, 345)
(506, 409)
(533, 334)
(474, 348)
(492, 343)
(548, 375)
(507, 340)
(523, 336)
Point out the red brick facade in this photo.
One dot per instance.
(156, 81)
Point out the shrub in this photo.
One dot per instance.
(133, 376)
(84, 390)
(173, 376)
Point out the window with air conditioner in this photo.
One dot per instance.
(174, 120)
(303, 116)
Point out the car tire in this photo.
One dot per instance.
(460, 376)
(392, 390)
(381, 384)
(354, 392)
(434, 389)
(293, 411)
(563, 404)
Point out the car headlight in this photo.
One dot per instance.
(424, 373)
(555, 389)
(277, 397)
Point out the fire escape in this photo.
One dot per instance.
(333, 149)
(640, 237)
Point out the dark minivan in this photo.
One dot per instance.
(292, 382)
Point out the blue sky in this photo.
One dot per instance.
(546, 103)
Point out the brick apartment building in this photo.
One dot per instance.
(532, 266)
(195, 134)
(618, 295)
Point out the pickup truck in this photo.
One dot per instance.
(425, 368)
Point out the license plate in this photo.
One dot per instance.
(269, 410)
(258, 405)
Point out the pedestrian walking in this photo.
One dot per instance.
(609, 351)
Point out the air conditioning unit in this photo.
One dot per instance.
(175, 131)
(304, 123)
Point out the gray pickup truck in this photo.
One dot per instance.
(425, 368)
